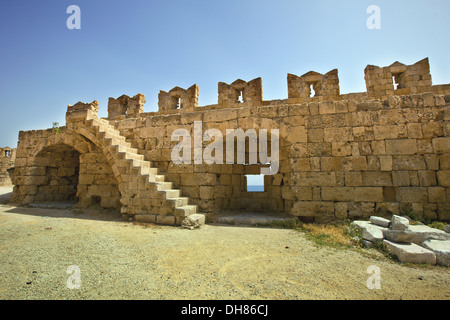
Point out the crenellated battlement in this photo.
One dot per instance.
(178, 98)
(381, 83)
(313, 84)
(398, 79)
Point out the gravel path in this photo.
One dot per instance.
(122, 260)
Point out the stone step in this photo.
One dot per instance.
(105, 133)
(130, 156)
(194, 221)
(156, 178)
(122, 148)
(113, 142)
(178, 202)
(163, 186)
(137, 163)
(144, 170)
(185, 210)
(170, 194)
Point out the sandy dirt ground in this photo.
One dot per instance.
(123, 260)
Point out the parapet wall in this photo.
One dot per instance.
(340, 156)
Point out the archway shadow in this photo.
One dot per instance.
(72, 213)
(64, 209)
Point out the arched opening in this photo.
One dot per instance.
(55, 174)
(60, 173)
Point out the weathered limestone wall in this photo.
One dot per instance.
(7, 158)
(57, 166)
(341, 156)
(338, 159)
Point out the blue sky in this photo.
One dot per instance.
(142, 46)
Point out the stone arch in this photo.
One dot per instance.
(100, 158)
(55, 174)
(64, 166)
(101, 144)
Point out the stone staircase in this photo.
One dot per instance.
(145, 195)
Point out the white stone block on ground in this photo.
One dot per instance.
(358, 225)
(379, 221)
(194, 221)
(410, 252)
(372, 233)
(441, 249)
(416, 234)
(399, 223)
(368, 230)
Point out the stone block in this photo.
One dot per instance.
(378, 147)
(441, 145)
(379, 221)
(441, 249)
(376, 178)
(410, 252)
(443, 177)
(414, 130)
(193, 221)
(401, 146)
(385, 132)
(312, 208)
(166, 219)
(315, 135)
(385, 163)
(296, 134)
(331, 163)
(427, 178)
(338, 134)
(372, 233)
(432, 161)
(206, 192)
(411, 162)
(312, 179)
(355, 163)
(358, 226)
(145, 218)
(413, 194)
(353, 179)
(399, 223)
(444, 162)
(437, 194)
(340, 210)
(366, 194)
(432, 130)
(416, 234)
(326, 107)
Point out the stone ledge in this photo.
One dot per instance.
(411, 253)
(441, 249)
(416, 234)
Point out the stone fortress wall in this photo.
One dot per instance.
(341, 156)
(7, 158)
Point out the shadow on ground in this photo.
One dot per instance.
(56, 209)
